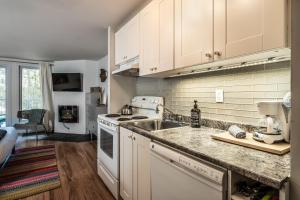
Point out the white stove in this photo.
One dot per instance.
(145, 108)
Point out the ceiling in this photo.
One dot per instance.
(59, 29)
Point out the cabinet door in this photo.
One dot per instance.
(219, 29)
(119, 46)
(127, 41)
(132, 36)
(141, 168)
(275, 24)
(244, 27)
(251, 26)
(126, 160)
(149, 37)
(166, 37)
(193, 32)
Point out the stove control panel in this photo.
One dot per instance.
(107, 125)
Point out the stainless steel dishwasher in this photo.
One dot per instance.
(175, 176)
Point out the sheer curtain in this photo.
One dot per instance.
(46, 86)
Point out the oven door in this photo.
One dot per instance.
(108, 147)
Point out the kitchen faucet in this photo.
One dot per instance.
(173, 116)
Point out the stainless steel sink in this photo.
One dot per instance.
(155, 125)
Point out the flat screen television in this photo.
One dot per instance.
(67, 82)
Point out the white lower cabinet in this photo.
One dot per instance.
(134, 166)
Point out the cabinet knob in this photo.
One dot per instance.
(208, 55)
(133, 138)
(218, 53)
(155, 68)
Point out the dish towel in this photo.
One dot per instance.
(237, 132)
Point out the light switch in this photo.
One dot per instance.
(219, 95)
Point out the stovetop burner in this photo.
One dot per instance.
(113, 115)
(122, 119)
(140, 117)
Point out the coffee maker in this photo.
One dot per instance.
(275, 125)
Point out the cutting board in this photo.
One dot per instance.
(277, 148)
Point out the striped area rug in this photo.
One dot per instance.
(28, 172)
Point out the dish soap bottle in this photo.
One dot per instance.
(195, 116)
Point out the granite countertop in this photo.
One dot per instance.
(270, 169)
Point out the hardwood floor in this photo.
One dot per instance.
(77, 169)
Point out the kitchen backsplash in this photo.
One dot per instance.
(243, 88)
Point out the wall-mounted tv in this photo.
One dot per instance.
(67, 82)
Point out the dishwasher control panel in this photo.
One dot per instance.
(189, 163)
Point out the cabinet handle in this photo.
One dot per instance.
(208, 55)
(218, 53)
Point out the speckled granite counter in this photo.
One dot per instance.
(272, 170)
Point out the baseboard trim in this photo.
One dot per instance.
(69, 137)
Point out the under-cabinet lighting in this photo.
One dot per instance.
(232, 66)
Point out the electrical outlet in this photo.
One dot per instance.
(219, 95)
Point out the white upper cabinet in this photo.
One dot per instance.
(275, 24)
(193, 32)
(219, 29)
(149, 37)
(157, 37)
(166, 34)
(254, 25)
(170, 34)
(127, 41)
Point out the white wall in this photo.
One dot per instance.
(90, 71)
(103, 64)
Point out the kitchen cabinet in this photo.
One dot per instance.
(126, 172)
(193, 32)
(127, 41)
(170, 34)
(157, 37)
(141, 168)
(252, 26)
(219, 29)
(149, 54)
(166, 37)
(134, 166)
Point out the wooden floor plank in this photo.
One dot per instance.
(77, 164)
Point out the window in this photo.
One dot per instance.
(31, 94)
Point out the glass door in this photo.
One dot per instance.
(3, 96)
(30, 88)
